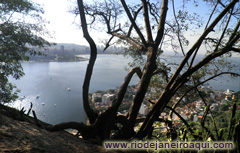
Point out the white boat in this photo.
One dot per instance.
(21, 98)
(69, 89)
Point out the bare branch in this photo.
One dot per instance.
(134, 18)
(108, 43)
(153, 11)
(219, 41)
(211, 14)
(161, 23)
(129, 40)
(134, 23)
(235, 30)
(178, 28)
(147, 23)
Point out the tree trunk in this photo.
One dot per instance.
(89, 111)
(148, 70)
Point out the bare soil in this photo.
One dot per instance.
(22, 134)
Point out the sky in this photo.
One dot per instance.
(65, 31)
(61, 22)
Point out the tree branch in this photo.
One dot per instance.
(178, 28)
(235, 30)
(173, 83)
(147, 23)
(134, 23)
(153, 12)
(134, 18)
(108, 43)
(125, 84)
(176, 104)
(206, 60)
(237, 50)
(184, 121)
(218, 53)
(129, 40)
(199, 42)
(225, 28)
(211, 14)
(161, 23)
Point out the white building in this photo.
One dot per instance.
(106, 99)
(228, 92)
(184, 116)
(143, 109)
(195, 118)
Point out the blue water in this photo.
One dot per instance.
(51, 80)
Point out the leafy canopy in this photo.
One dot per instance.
(21, 28)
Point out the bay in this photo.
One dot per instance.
(55, 88)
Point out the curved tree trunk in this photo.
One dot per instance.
(89, 111)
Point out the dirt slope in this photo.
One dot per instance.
(19, 133)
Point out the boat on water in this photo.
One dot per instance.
(37, 97)
(21, 98)
(69, 89)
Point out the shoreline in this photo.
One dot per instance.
(57, 58)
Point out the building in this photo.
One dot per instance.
(195, 118)
(143, 109)
(96, 97)
(107, 99)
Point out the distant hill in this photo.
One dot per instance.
(64, 52)
(82, 49)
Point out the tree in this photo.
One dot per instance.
(21, 28)
(151, 18)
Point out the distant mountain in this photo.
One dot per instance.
(68, 46)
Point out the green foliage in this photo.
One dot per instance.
(21, 28)
(224, 107)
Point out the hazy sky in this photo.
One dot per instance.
(61, 22)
